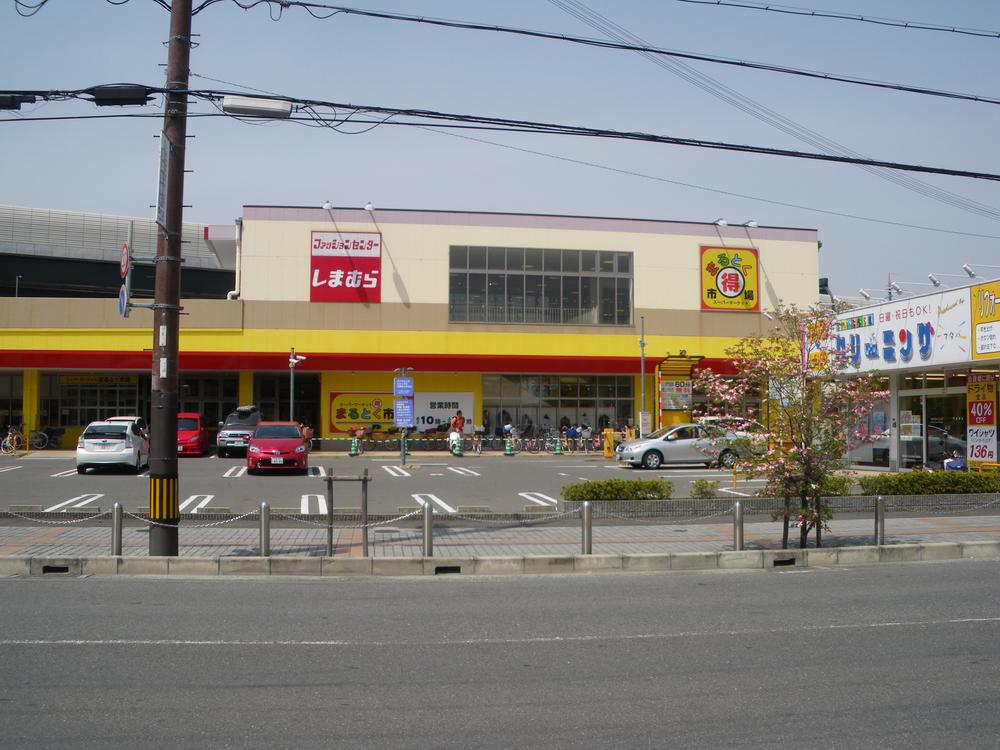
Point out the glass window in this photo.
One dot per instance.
(588, 260)
(515, 298)
(532, 299)
(497, 259)
(570, 299)
(553, 299)
(532, 259)
(553, 260)
(623, 300)
(607, 262)
(458, 296)
(477, 257)
(458, 257)
(606, 293)
(515, 258)
(588, 299)
(477, 296)
(497, 295)
(624, 262)
(491, 386)
(570, 261)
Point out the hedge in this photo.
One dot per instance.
(929, 483)
(619, 489)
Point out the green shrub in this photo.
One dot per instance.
(619, 489)
(704, 489)
(928, 483)
(836, 485)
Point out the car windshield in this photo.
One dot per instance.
(658, 433)
(242, 420)
(278, 431)
(105, 431)
(187, 423)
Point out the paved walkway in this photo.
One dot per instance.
(548, 539)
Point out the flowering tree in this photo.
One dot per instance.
(812, 407)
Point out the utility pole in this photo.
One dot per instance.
(164, 510)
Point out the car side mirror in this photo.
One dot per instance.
(220, 425)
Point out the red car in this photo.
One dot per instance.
(192, 437)
(277, 445)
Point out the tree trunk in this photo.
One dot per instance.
(784, 523)
(819, 522)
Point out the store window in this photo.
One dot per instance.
(532, 285)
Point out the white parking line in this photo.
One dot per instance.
(190, 501)
(317, 471)
(77, 502)
(433, 499)
(396, 471)
(734, 492)
(538, 498)
(235, 471)
(67, 473)
(320, 504)
(464, 472)
(9, 468)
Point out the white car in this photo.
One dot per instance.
(112, 444)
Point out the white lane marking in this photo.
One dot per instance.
(433, 499)
(67, 473)
(235, 471)
(80, 501)
(734, 492)
(504, 641)
(317, 471)
(436, 474)
(11, 468)
(205, 500)
(320, 504)
(464, 472)
(563, 473)
(538, 498)
(396, 471)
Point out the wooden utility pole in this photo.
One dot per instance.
(164, 509)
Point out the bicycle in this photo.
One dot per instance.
(15, 441)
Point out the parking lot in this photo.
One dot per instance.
(49, 480)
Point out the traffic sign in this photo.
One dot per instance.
(403, 412)
(126, 260)
(123, 303)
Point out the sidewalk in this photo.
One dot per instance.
(482, 541)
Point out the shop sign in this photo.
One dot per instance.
(981, 425)
(986, 320)
(345, 267)
(729, 279)
(675, 395)
(349, 411)
(923, 331)
(98, 380)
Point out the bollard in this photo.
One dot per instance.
(587, 528)
(738, 526)
(265, 529)
(329, 513)
(557, 449)
(353, 450)
(879, 522)
(364, 513)
(116, 529)
(508, 447)
(428, 530)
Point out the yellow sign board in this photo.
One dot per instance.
(985, 300)
(98, 379)
(730, 279)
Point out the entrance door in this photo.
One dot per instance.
(945, 428)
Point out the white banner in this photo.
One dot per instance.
(433, 409)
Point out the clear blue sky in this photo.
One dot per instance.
(110, 166)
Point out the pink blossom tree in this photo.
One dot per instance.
(812, 409)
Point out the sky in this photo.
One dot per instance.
(872, 229)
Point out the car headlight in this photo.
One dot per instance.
(300, 449)
(254, 449)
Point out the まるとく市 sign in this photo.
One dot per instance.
(729, 279)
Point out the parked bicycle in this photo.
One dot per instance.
(14, 441)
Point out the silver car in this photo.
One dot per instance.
(112, 444)
(680, 444)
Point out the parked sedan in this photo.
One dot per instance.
(112, 444)
(680, 444)
(192, 436)
(277, 445)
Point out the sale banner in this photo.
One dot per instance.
(345, 267)
(981, 428)
(729, 279)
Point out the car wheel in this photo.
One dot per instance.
(223, 453)
(652, 460)
(81, 469)
(727, 459)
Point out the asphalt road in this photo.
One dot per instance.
(893, 656)
(49, 480)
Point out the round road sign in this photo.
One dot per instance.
(123, 302)
(125, 260)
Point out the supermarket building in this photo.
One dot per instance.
(532, 318)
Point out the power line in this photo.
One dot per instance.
(791, 10)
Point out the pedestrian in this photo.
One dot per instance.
(456, 425)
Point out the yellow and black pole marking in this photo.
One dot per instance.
(164, 506)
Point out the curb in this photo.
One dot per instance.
(500, 565)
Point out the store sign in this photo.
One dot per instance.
(377, 411)
(98, 380)
(986, 320)
(345, 267)
(675, 395)
(915, 332)
(981, 427)
(729, 279)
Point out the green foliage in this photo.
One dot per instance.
(836, 485)
(619, 489)
(929, 483)
(704, 489)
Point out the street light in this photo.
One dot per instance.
(293, 359)
(972, 274)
